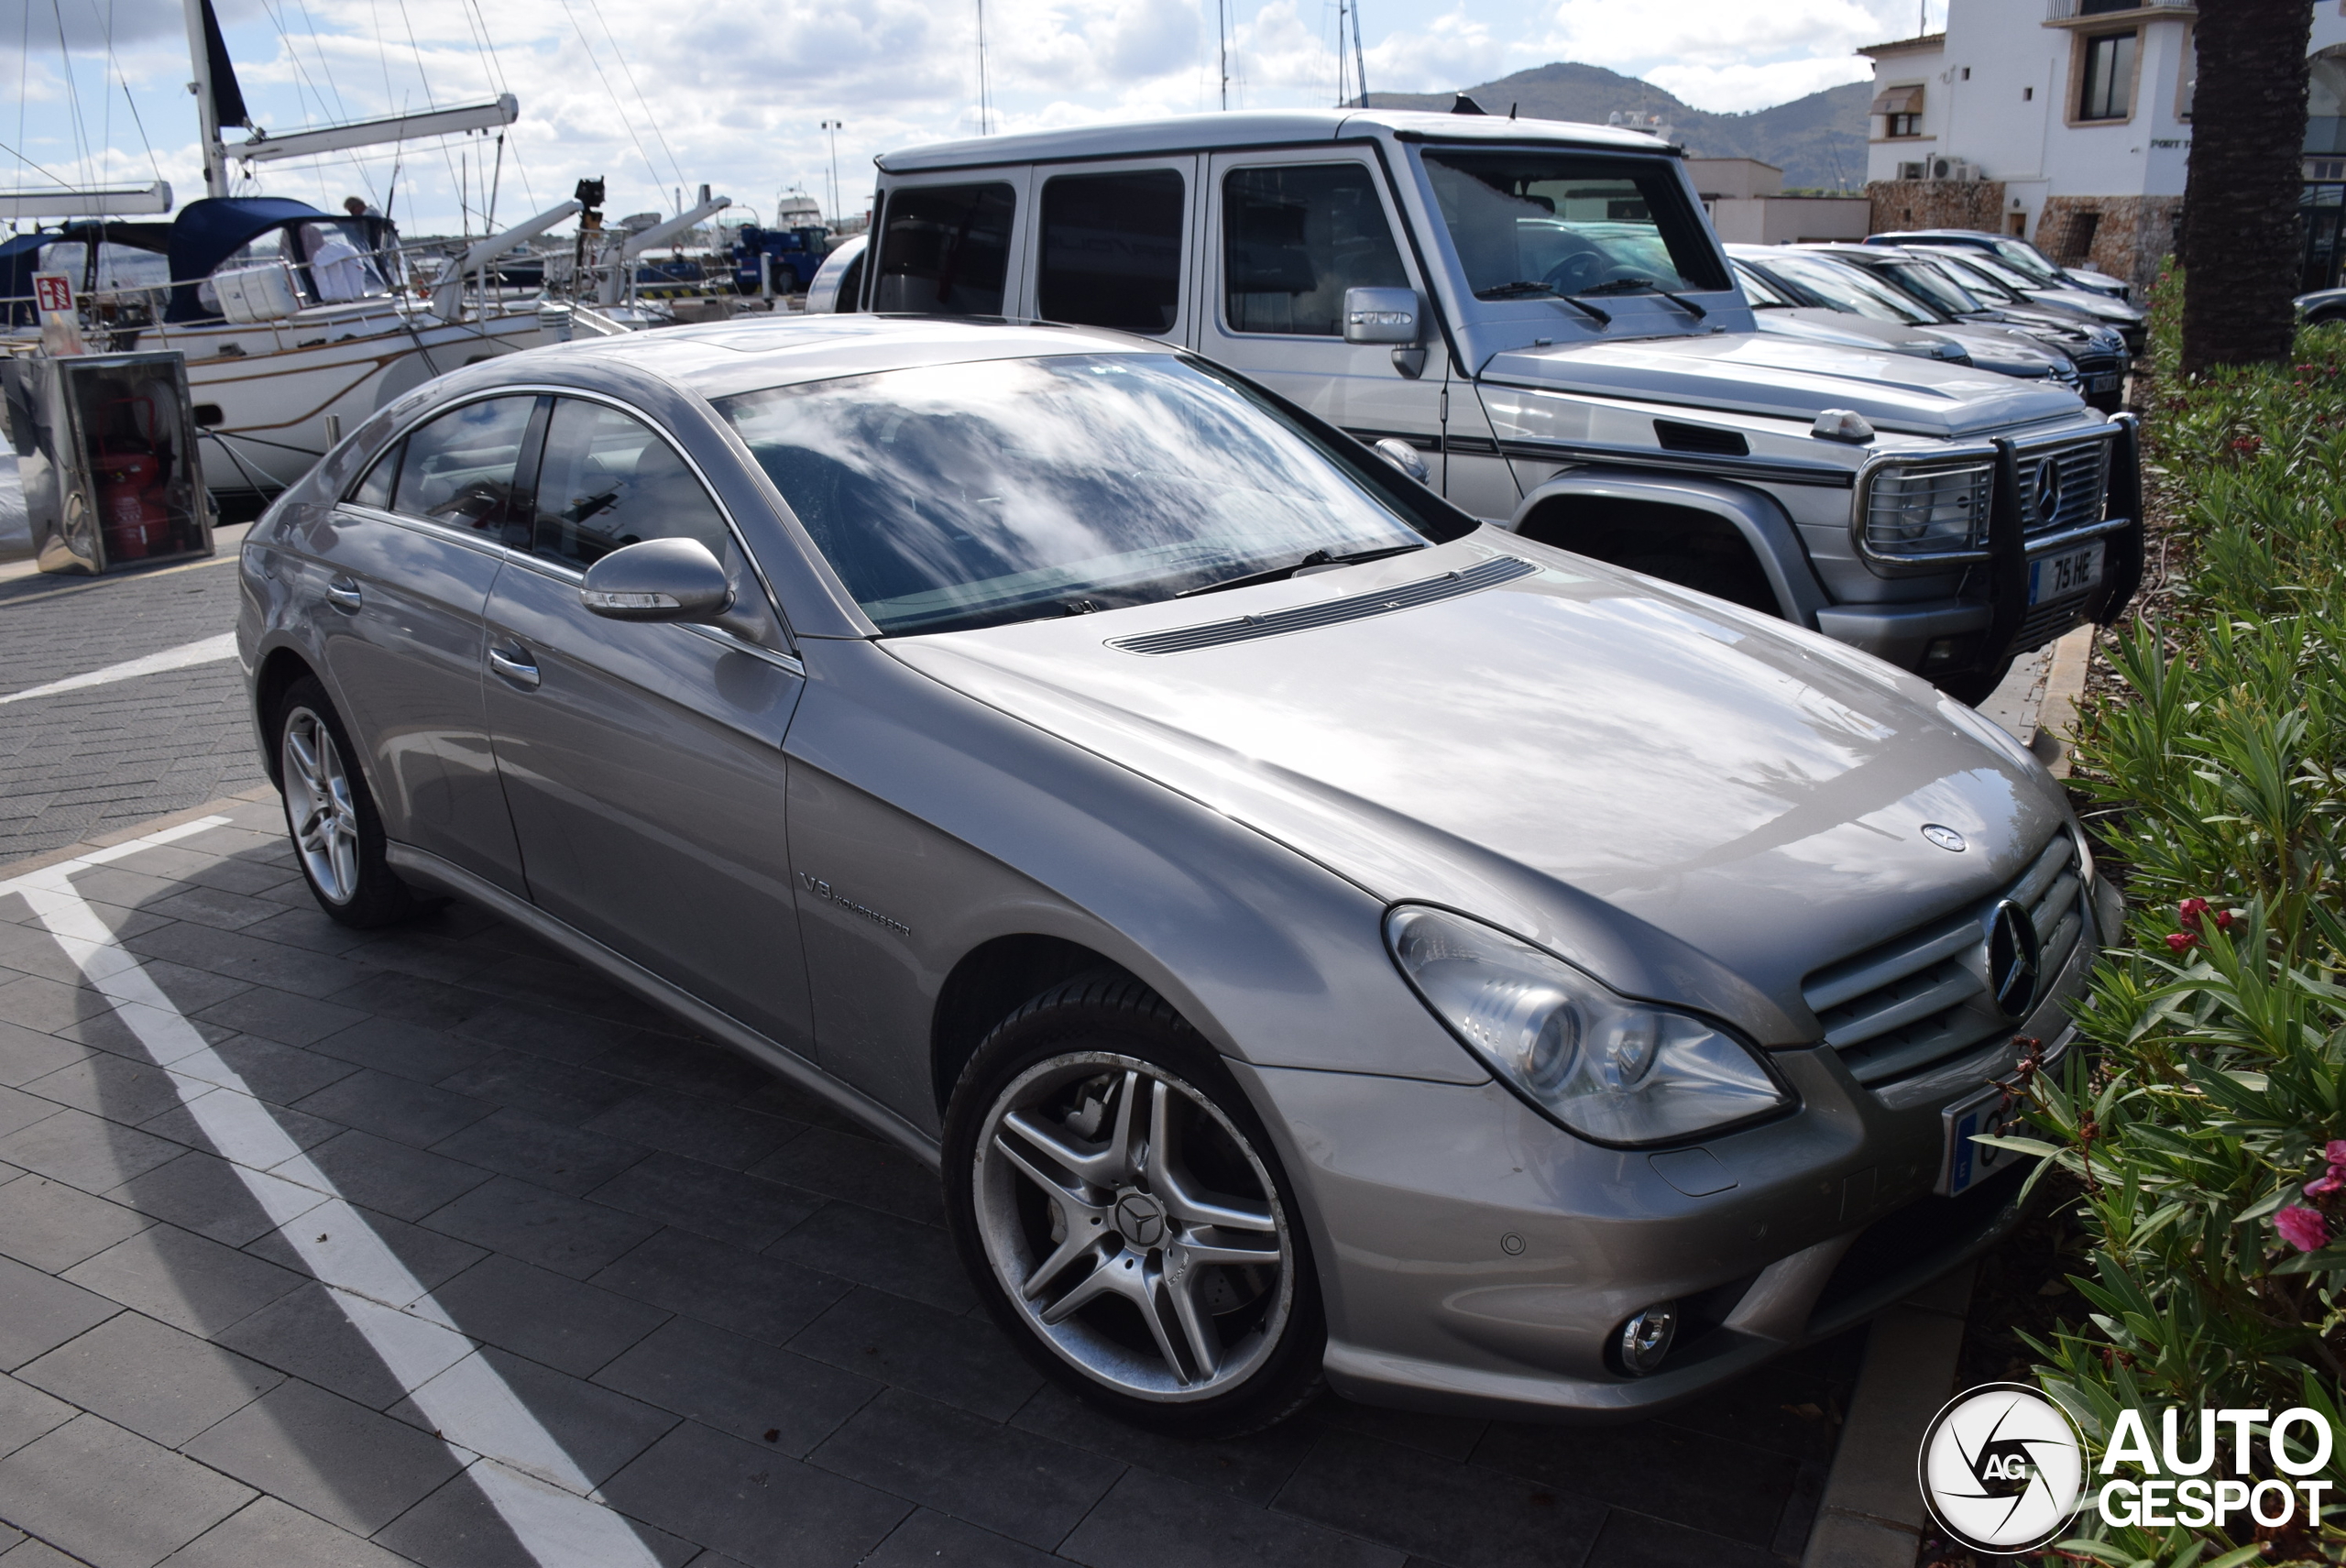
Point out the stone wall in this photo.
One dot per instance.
(1937, 204)
(2129, 235)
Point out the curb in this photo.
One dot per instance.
(136, 830)
(1871, 1514)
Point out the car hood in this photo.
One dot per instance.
(1786, 378)
(1985, 340)
(1815, 326)
(1698, 804)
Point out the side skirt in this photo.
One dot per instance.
(430, 869)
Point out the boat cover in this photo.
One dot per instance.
(208, 232)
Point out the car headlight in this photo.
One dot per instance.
(1610, 1069)
(1928, 510)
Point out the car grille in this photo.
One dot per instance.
(1920, 998)
(1330, 612)
(2046, 622)
(2082, 471)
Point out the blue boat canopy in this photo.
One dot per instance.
(208, 232)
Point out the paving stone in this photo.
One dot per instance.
(600, 1429)
(182, 1125)
(307, 928)
(36, 1002)
(1458, 1514)
(1253, 1467)
(878, 1175)
(560, 1034)
(574, 1327)
(762, 1298)
(193, 990)
(26, 1552)
(431, 1255)
(707, 1200)
(27, 1054)
(270, 1532)
(1155, 1522)
(544, 1088)
(276, 1073)
(246, 956)
(554, 980)
(897, 1255)
(458, 1527)
(759, 1507)
(215, 907)
(26, 1413)
(963, 1361)
(700, 1129)
(327, 1457)
(280, 1016)
(546, 1154)
(1452, 1437)
(53, 1226)
(1759, 1407)
(406, 1050)
(1711, 1484)
(740, 1386)
(202, 1192)
(187, 1281)
(116, 1088)
(931, 1541)
(85, 1151)
(566, 1234)
(1634, 1541)
(150, 1378)
(30, 950)
(391, 1177)
(434, 1004)
(1013, 1483)
(111, 1496)
(305, 1333)
(20, 1111)
(394, 1107)
(687, 1067)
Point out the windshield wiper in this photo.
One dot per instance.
(1525, 290)
(1647, 286)
(1317, 559)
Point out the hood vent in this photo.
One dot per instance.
(1704, 438)
(1330, 612)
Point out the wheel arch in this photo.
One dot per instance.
(987, 984)
(280, 668)
(1749, 518)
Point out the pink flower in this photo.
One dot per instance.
(2223, 919)
(2335, 1151)
(2325, 1186)
(2189, 911)
(2180, 941)
(2302, 1229)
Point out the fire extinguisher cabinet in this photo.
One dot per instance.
(106, 453)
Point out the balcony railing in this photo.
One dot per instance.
(2057, 12)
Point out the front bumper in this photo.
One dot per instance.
(1475, 1259)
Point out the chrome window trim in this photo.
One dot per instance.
(1872, 469)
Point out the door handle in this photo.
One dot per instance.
(343, 594)
(515, 665)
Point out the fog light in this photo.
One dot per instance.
(1645, 1339)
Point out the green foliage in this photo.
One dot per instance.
(2218, 1032)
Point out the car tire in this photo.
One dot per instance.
(1090, 1143)
(330, 815)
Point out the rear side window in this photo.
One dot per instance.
(1111, 250)
(1295, 238)
(375, 489)
(609, 480)
(944, 250)
(459, 467)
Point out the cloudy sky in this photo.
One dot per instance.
(656, 94)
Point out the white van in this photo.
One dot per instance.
(1536, 317)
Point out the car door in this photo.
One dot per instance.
(642, 762)
(403, 567)
(1288, 231)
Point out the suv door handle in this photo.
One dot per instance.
(343, 594)
(514, 665)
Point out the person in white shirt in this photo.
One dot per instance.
(338, 268)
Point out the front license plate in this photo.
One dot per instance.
(2058, 576)
(1967, 1162)
(2106, 382)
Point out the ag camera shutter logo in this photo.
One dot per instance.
(2003, 1468)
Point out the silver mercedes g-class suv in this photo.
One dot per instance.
(1535, 319)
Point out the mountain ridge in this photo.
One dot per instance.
(1819, 141)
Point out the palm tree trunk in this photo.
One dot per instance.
(2242, 242)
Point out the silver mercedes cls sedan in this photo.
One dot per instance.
(1315, 937)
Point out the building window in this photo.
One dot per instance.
(1900, 109)
(1902, 125)
(2108, 86)
(2077, 245)
(2028, 94)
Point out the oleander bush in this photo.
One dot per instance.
(2206, 1128)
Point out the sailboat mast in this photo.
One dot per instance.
(207, 113)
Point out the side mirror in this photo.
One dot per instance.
(1383, 315)
(668, 579)
(1404, 457)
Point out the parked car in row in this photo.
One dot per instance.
(2015, 253)
(1853, 295)
(1539, 314)
(1774, 311)
(2322, 306)
(1314, 932)
(2002, 287)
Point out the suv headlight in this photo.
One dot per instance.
(1925, 513)
(1612, 1070)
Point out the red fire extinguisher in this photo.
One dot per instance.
(133, 512)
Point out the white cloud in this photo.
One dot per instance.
(1733, 89)
(1452, 50)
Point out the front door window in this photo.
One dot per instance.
(1294, 238)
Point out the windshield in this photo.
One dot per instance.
(1538, 223)
(2027, 260)
(1975, 270)
(1841, 288)
(1933, 287)
(1756, 292)
(958, 496)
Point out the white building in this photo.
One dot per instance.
(2067, 122)
(1748, 205)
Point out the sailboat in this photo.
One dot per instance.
(295, 324)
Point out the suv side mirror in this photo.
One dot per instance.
(668, 579)
(1383, 315)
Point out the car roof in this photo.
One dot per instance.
(716, 359)
(1202, 132)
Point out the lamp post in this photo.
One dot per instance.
(834, 127)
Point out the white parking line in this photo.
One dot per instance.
(203, 651)
(546, 1501)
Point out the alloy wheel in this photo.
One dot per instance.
(318, 807)
(1134, 1226)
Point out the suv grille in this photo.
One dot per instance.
(2077, 475)
(1920, 998)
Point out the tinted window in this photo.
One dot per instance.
(1930, 285)
(944, 250)
(607, 480)
(459, 467)
(1111, 250)
(2108, 78)
(375, 489)
(1295, 238)
(1828, 283)
(969, 494)
(1528, 223)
